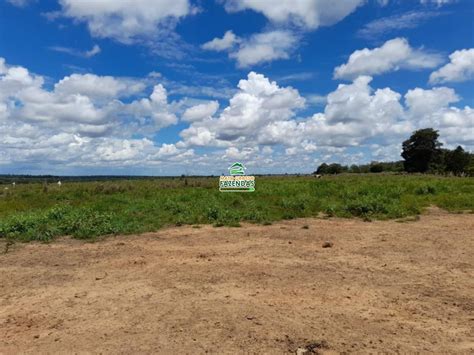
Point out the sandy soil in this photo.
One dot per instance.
(382, 286)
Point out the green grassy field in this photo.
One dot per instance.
(91, 209)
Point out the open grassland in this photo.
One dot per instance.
(91, 209)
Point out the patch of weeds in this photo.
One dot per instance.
(229, 218)
(26, 227)
(426, 190)
(289, 215)
(253, 215)
(366, 207)
(294, 206)
(89, 224)
(58, 213)
(57, 221)
(212, 214)
(45, 233)
(174, 207)
(330, 211)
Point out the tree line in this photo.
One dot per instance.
(421, 153)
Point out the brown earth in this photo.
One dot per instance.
(381, 287)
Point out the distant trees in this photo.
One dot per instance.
(336, 168)
(457, 160)
(322, 169)
(376, 168)
(354, 168)
(421, 151)
(330, 169)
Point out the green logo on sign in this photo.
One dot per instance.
(237, 169)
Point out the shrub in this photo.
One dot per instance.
(366, 207)
(87, 223)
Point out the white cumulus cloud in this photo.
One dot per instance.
(460, 68)
(289, 19)
(263, 114)
(104, 87)
(306, 13)
(221, 44)
(265, 47)
(256, 49)
(125, 19)
(201, 111)
(432, 108)
(88, 105)
(100, 122)
(393, 55)
(258, 102)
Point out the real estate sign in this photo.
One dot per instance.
(237, 181)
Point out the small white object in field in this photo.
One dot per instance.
(6, 188)
(318, 176)
(59, 183)
(13, 183)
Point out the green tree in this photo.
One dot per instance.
(421, 151)
(376, 167)
(457, 160)
(354, 168)
(470, 168)
(322, 169)
(335, 168)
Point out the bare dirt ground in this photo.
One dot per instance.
(381, 287)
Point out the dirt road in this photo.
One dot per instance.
(382, 286)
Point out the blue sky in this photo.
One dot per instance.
(185, 86)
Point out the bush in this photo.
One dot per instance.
(88, 223)
(366, 207)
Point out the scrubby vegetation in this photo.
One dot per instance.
(91, 209)
(422, 153)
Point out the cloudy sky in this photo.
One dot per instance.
(170, 87)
